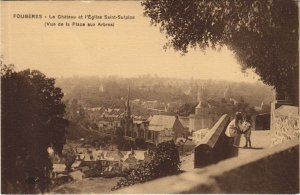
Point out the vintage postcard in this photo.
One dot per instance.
(146, 97)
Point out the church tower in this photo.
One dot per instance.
(202, 118)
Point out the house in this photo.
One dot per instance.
(164, 128)
(139, 155)
(130, 163)
(88, 154)
(114, 156)
(58, 168)
(185, 122)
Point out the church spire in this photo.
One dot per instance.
(127, 106)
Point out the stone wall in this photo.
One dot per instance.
(285, 124)
(274, 170)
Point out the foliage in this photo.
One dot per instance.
(96, 171)
(69, 157)
(82, 126)
(166, 159)
(262, 34)
(140, 143)
(187, 109)
(32, 119)
(75, 111)
(118, 138)
(165, 162)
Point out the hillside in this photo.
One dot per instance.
(111, 91)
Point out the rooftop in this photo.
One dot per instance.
(160, 122)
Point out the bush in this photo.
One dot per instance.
(165, 162)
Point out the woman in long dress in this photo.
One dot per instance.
(233, 127)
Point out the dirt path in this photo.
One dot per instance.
(260, 140)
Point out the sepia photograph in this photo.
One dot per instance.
(150, 97)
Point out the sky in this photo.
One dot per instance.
(130, 48)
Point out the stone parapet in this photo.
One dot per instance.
(274, 170)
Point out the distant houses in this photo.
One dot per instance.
(157, 128)
(154, 130)
(92, 162)
(108, 160)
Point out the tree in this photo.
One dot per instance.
(69, 157)
(262, 34)
(140, 143)
(165, 162)
(187, 109)
(32, 120)
(166, 159)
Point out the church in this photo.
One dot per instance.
(203, 117)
